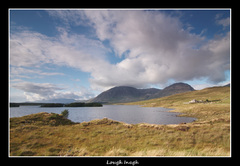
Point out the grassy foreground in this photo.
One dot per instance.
(46, 134)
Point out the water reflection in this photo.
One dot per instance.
(124, 113)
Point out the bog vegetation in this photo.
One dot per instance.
(49, 134)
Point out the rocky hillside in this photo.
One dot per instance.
(123, 94)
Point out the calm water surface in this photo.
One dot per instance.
(130, 114)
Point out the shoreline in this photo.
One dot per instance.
(158, 116)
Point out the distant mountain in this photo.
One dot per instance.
(123, 94)
(227, 85)
(174, 89)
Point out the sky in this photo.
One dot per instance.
(79, 53)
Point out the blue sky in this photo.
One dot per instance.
(77, 54)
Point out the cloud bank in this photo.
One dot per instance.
(153, 46)
(47, 91)
(156, 48)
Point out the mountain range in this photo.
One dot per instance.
(123, 94)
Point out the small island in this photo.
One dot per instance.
(52, 105)
(14, 105)
(84, 105)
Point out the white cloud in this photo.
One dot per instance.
(27, 49)
(43, 89)
(31, 49)
(47, 91)
(224, 22)
(34, 49)
(68, 16)
(155, 48)
(16, 71)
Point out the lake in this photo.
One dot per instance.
(131, 114)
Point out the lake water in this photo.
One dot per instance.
(131, 114)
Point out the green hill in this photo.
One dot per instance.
(218, 104)
(211, 94)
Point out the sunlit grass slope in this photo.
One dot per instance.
(45, 134)
(218, 105)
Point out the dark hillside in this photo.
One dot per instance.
(124, 94)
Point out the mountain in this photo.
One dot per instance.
(123, 94)
(174, 89)
(227, 85)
